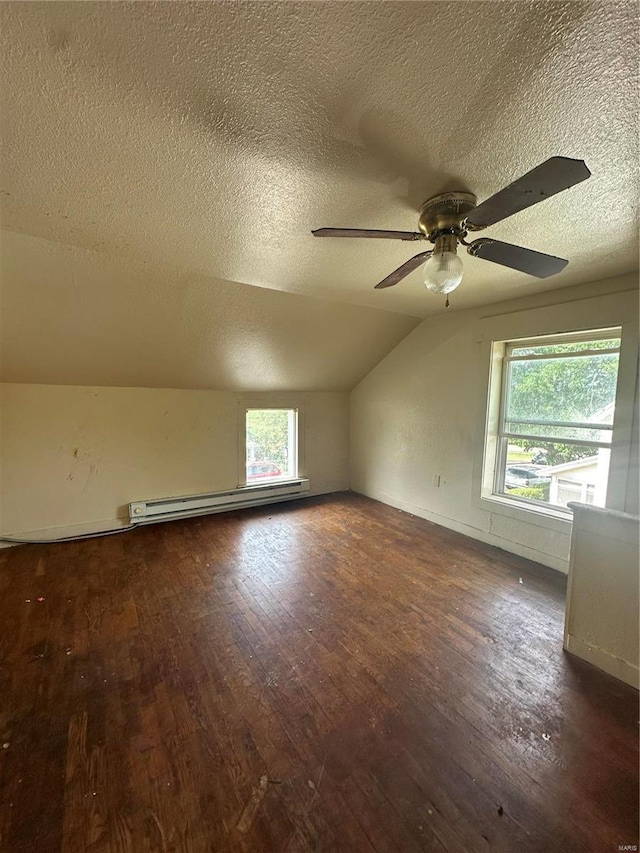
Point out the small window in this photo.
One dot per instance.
(271, 445)
(555, 425)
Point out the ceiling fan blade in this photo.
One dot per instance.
(364, 232)
(517, 257)
(551, 177)
(404, 270)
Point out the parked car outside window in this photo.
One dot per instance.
(518, 476)
(262, 469)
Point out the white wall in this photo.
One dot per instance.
(421, 413)
(73, 457)
(601, 622)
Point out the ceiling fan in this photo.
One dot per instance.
(446, 219)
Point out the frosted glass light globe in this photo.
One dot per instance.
(443, 272)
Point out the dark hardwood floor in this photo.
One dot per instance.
(328, 675)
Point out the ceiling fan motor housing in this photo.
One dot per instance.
(445, 214)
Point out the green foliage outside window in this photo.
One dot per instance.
(554, 453)
(573, 388)
(559, 389)
(533, 493)
(268, 430)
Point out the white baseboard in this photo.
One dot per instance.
(106, 524)
(553, 562)
(607, 662)
(83, 529)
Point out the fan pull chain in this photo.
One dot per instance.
(446, 304)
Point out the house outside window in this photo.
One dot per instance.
(555, 425)
(271, 445)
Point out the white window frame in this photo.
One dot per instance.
(595, 306)
(295, 444)
(497, 438)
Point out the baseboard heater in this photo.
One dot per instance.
(166, 509)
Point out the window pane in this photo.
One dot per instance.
(572, 389)
(556, 419)
(553, 473)
(271, 444)
(577, 346)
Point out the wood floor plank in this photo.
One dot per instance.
(327, 675)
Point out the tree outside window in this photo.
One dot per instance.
(271, 443)
(556, 418)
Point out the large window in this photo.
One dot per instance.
(555, 426)
(271, 445)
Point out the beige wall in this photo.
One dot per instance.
(421, 413)
(76, 456)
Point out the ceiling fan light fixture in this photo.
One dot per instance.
(446, 219)
(443, 270)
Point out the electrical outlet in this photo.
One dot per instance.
(435, 480)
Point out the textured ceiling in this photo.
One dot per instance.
(210, 138)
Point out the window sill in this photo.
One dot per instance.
(269, 481)
(266, 483)
(550, 519)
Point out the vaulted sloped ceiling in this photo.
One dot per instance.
(102, 319)
(163, 165)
